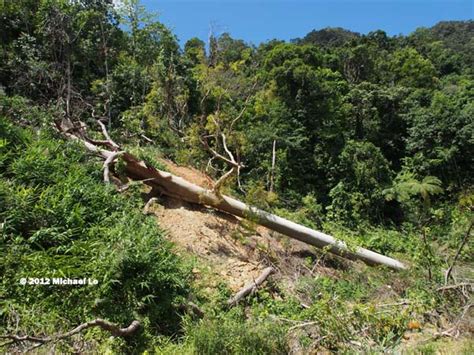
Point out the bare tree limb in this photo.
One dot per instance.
(149, 140)
(221, 181)
(302, 325)
(236, 166)
(219, 134)
(239, 184)
(227, 149)
(458, 252)
(272, 171)
(99, 142)
(110, 159)
(105, 325)
(453, 287)
(250, 287)
(146, 209)
(209, 164)
(19, 338)
(244, 108)
(193, 308)
(217, 155)
(106, 134)
(454, 331)
(201, 103)
(131, 183)
(101, 323)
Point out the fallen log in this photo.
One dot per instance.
(114, 329)
(251, 287)
(179, 188)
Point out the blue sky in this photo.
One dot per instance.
(256, 21)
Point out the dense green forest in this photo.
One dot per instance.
(367, 137)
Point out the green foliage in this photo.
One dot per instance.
(59, 220)
(406, 186)
(336, 130)
(364, 172)
(328, 37)
(409, 68)
(411, 97)
(150, 155)
(311, 213)
(232, 334)
(440, 133)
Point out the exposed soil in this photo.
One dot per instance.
(189, 173)
(237, 250)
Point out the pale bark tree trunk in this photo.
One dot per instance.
(272, 171)
(177, 187)
(68, 93)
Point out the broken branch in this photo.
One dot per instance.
(101, 323)
(110, 159)
(221, 181)
(227, 149)
(106, 134)
(458, 252)
(146, 209)
(250, 287)
(217, 155)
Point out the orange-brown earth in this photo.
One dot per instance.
(236, 250)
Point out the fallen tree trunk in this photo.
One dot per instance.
(179, 188)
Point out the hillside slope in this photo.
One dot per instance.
(236, 249)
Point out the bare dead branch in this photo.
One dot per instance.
(454, 331)
(110, 159)
(98, 142)
(272, 171)
(240, 114)
(216, 154)
(227, 149)
(105, 325)
(453, 287)
(250, 287)
(101, 323)
(132, 183)
(209, 164)
(20, 338)
(204, 99)
(149, 140)
(146, 209)
(221, 181)
(106, 134)
(302, 325)
(192, 308)
(236, 166)
(401, 303)
(239, 184)
(458, 252)
(244, 108)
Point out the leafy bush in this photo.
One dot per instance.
(60, 220)
(231, 334)
(364, 173)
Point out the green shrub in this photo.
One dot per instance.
(58, 219)
(231, 334)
